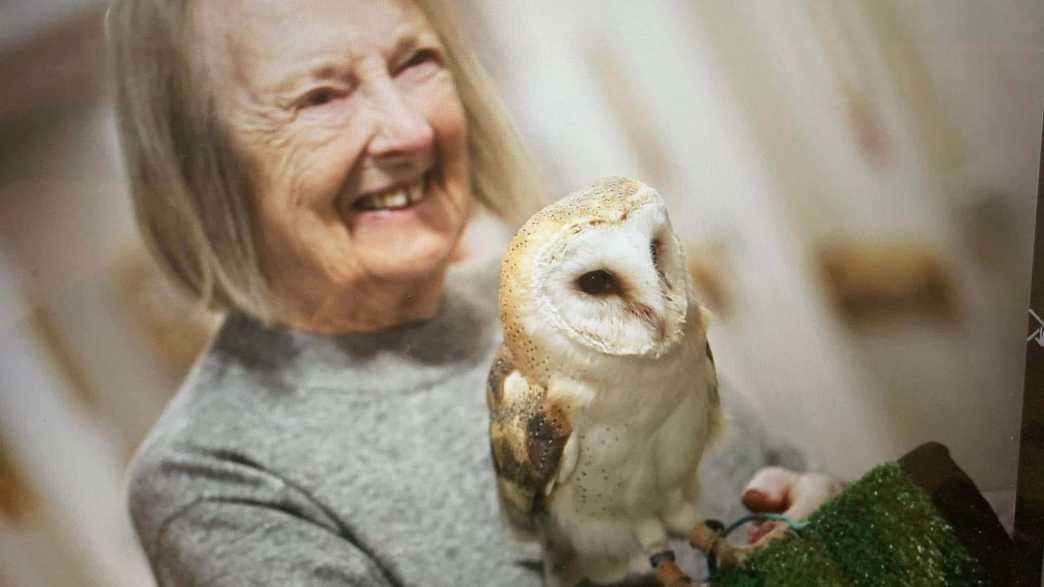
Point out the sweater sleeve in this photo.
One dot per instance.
(226, 543)
(215, 516)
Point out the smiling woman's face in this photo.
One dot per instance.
(346, 114)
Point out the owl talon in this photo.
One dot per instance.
(668, 573)
(707, 538)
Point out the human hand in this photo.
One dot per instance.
(782, 491)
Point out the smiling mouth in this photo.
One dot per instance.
(394, 198)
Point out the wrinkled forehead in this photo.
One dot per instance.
(262, 40)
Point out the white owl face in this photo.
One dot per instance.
(617, 288)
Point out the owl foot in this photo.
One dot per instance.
(708, 539)
(668, 573)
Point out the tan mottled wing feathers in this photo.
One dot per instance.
(527, 434)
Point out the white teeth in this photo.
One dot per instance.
(394, 199)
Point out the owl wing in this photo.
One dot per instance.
(529, 437)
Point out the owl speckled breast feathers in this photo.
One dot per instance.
(603, 396)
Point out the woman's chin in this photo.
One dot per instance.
(420, 259)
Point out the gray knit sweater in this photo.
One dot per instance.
(295, 459)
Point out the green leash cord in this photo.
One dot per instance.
(795, 525)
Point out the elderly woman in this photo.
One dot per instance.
(309, 167)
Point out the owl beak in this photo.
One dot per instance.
(650, 318)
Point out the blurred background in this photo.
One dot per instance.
(857, 182)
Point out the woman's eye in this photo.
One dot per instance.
(420, 58)
(319, 97)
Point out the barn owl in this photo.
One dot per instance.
(603, 395)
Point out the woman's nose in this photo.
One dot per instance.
(402, 129)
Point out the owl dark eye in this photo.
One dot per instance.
(598, 283)
(654, 250)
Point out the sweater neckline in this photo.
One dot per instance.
(407, 358)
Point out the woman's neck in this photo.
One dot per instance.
(372, 308)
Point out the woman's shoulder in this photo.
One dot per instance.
(202, 446)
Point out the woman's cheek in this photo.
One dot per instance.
(450, 112)
(325, 119)
(320, 161)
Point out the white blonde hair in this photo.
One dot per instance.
(192, 191)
